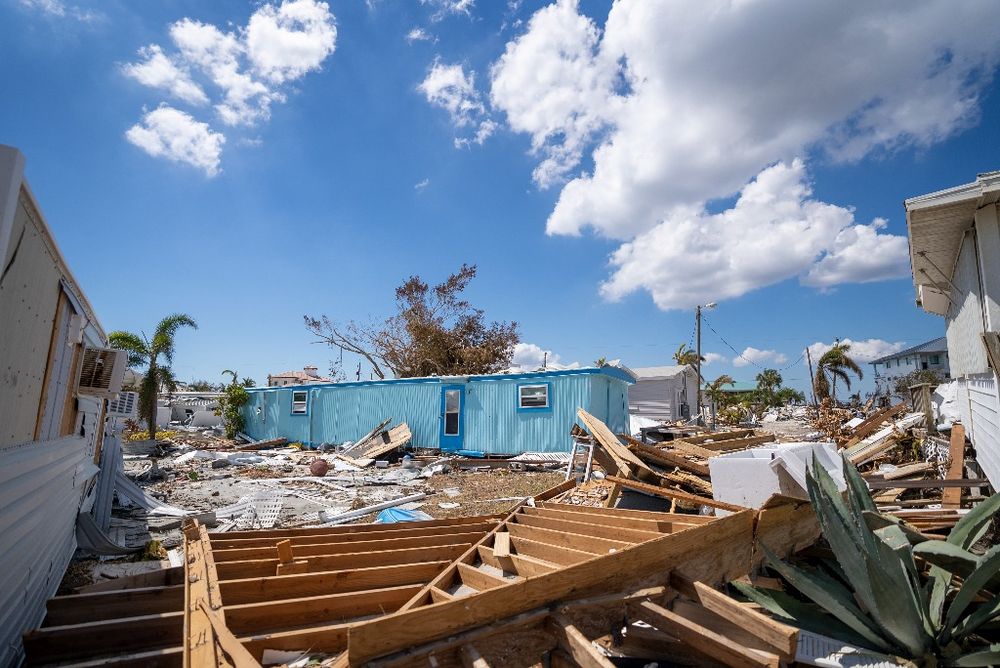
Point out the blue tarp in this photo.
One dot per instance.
(393, 515)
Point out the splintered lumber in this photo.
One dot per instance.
(691, 449)
(737, 443)
(719, 436)
(928, 484)
(666, 458)
(623, 457)
(399, 436)
(362, 443)
(471, 658)
(871, 424)
(668, 493)
(951, 498)
(264, 445)
(574, 643)
(701, 638)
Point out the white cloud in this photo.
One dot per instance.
(713, 357)
(450, 88)
(59, 9)
(247, 68)
(443, 8)
(861, 351)
(287, 42)
(420, 185)
(531, 357)
(158, 71)
(419, 35)
(860, 254)
(773, 232)
(676, 104)
(172, 134)
(751, 355)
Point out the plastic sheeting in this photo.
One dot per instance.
(392, 515)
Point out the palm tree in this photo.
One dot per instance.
(148, 352)
(833, 364)
(768, 381)
(715, 393)
(685, 356)
(249, 382)
(601, 362)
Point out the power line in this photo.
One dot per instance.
(747, 359)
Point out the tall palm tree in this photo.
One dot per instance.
(715, 393)
(156, 354)
(249, 382)
(835, 364)
(685, 356)
(768, 382)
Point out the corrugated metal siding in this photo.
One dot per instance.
(616, 410)
(348, 413)
(652, 399)
(41, 485)
(966, 353)
(494, 425)
(981, 416)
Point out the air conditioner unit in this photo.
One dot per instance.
(124, 406)
(102, 372)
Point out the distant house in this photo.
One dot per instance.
(929, 356)
(955, 254)
(665, 393)
(309, 374)
(503, 413)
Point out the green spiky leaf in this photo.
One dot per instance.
(948, 556)
(986, 657)
(988, 568)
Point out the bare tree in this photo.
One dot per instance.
(434, 332)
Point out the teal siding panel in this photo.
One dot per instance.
(494, 425)
(347, 413)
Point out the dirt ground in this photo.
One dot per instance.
(486, 492)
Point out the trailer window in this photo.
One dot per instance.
(300, 402)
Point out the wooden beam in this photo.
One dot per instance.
(872, 423)
(675, 494)
(576, 541)
(668, 459)
(82, 608)
(501, 544)
(781, 638)
(621, 533)
(162, 578)
(656, 526)
(352, 546)
(271, 535)
(574, 643)
(928, 484)
(438, 595)
(275, 588)
(701, 638)
(480, 580)
(685, 518)
(716, 436)
(737, 443)
(471, 658)
(555, 490)
(563, 556)
(201, 598)
(233, 570)
(169, 657)
(624, 458)
(951, 497)
(318, 539)
(91, 639)
(255, 618)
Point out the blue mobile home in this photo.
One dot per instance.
(493, 414)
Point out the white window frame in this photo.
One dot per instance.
(300, 407)
(520, 396)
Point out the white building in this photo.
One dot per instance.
(929, 356)
(309, 374)
(955, 254)
(664, 392)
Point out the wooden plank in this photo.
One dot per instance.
(169, 657)
(668, 459)
(556, 490)
(656, 526)
(438, 595)
(162, 578)
(690, 449)
(201, 597)
(273, 535)
(479, 579)
(781, 638)
(284, 553)
(563, 556)
(711, 553)
(501, 544)
(737, 443)
(675, 494)
(928, 484)
(564, 539)
(951, 497)
(588, 529)
(344, 547)
(233, 570)
(701, 638)
(256, 590)
(234, 542)
(84, 641)
(871, 424)
(471, 658)
(276, 615)
(626, 461)
(716, 436)
(685, 518)
(574, 643)
(82, 608)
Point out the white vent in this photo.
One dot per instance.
(124, 406)
(102, 372)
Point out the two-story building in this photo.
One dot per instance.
(929, 356)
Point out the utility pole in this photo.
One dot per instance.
(812, 380)
(697, 327)
(545, 360)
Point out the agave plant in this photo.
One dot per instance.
(892, 588)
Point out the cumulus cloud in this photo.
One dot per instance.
(860, 254)
(172, 134)
(246, 69)
(773, 232)
(864, 350)
(751, 355)
(713, 357)
(531, 357)
(673, 105)
(157, 71)
(449, 87)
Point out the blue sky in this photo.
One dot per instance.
(606, 168)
